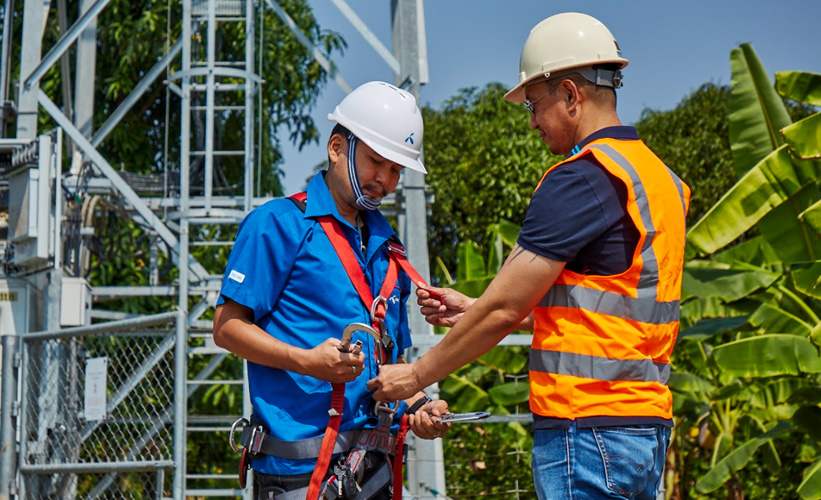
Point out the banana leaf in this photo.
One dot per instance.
(804, 137)
(767, 356)
(808, 419)
(778, 392)
(508, 231)
(770, 318)
(757, 112)
(471, 264)
(729, 284)
(496, 257)
(812, 217)
(799, 86)
(755, 251)
(807, 395)
(697, 308)
(463, 395)
(810, 487)
(689, 383)
(736, 460)
(766, 186)
(790, 237)
(708, 328)
(511, 393)
(506, 359)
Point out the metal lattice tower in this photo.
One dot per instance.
(51, 356)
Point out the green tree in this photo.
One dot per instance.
(484, 162)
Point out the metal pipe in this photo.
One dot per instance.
(8, 445)
(98, 467)
(111, 326)
(135, 94)
(65, 42)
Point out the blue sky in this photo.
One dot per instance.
(673, 46)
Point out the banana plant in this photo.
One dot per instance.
(746, 366)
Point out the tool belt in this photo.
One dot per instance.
(257, 441)
(347, 480)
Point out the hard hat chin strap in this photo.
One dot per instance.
(362, 200)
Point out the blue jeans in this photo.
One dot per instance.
(599, 462)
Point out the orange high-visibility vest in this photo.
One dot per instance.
(602, 344)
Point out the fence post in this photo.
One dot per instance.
(8, 445)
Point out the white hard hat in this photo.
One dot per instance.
(564, 42)
(385, 118)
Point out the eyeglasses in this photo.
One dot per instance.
(529, 104)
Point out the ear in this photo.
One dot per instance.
(336, 147)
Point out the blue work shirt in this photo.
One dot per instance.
(284, 268)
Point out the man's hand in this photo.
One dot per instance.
(425, 422)
(326, 362)
(395, 382)
(444, 312)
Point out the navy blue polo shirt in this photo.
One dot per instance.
(579, 215)
(284, 268)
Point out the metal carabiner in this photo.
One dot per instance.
(347, 335)
(375, 304)
(241, 420)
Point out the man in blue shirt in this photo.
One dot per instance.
(287, 297)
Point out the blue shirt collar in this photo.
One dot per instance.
(623, 133)
(320, 202)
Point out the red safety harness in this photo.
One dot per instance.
(378, 308)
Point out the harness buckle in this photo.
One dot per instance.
(241, 420)
(385, 407)
(397, 248)
(255, 443)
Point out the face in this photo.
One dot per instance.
(378, 176)
(549, 115)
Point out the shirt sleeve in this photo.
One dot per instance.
(403, 337)
(261, 260)
(575, 204)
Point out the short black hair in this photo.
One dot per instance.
(341, 130)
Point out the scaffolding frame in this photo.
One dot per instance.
(407, 60)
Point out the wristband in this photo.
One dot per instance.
(419, 403)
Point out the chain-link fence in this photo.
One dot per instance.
(97, 411)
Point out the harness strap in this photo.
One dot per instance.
(377, 306)
(374, 484)
(327, 449)
(367, 439)
(399, 456)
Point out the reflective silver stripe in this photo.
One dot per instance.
(367, 439)
(649, 277)
(599, 368)
(613, 304)
(680, 187)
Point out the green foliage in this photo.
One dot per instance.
(749, 383)
(484, 163)
(692, 140)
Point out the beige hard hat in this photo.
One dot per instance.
(564, 42)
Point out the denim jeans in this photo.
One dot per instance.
(599, 462)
